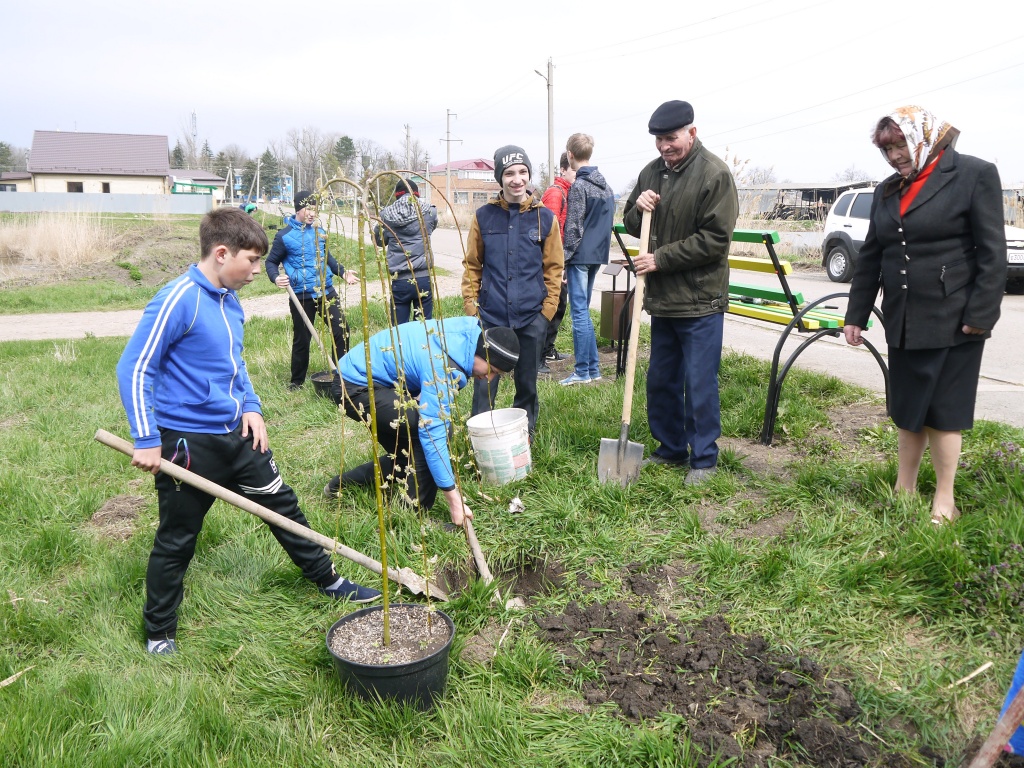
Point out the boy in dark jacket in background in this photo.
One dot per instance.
(186, 390)
(587, 236)
(513, 273)
(408, 254)
(300, 249)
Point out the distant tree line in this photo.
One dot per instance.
(12, 158)
(309, 155)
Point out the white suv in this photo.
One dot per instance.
(846, 226)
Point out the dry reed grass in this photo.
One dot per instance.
(461, 214)
(58, 242)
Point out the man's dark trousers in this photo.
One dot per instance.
(682, 388)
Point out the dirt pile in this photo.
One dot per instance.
(738, 698)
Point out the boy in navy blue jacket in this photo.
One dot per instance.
(513, 275)
(189, 400)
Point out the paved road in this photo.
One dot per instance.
(1000, 393)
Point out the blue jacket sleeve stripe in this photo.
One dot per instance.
(141, 373)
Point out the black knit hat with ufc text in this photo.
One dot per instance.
(508, 155)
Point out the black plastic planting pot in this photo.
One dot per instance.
(322, 383)
(419, 683)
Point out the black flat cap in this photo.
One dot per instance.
(669, 117)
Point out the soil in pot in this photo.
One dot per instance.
(412, 669)
(362, 639)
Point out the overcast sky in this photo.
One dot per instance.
(795, 85)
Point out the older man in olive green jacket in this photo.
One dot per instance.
(692, 198)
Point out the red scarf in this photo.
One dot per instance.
(915, 186)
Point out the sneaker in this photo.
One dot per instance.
(661, 460)
(544, 368)
(293, 387)
(700, 476)
(349, 590)
(164, 647)
(331, 489)
(573, 378)
(596, 379)
(554, 356)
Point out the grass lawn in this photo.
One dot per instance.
(800, 545)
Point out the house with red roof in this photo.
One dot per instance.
(471, 182)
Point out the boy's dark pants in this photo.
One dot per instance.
(398, 434)
(556, 321)
(229, 461)
(406, 295)
(301, 336)
(531, 350)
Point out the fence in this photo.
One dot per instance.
(86, 202)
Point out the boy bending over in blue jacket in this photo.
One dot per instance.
(188, 397)
(416, 370)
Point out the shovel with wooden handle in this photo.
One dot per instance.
(994, 745)
(620, 460)
(309, 325)
(404, 576)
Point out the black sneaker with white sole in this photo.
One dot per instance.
(349, 590)
(163, 647)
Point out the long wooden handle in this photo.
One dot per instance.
(1006, 725)
(634, 326)
(309, 325)
(406, 577)
(478, 553)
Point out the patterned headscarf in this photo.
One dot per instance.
(926, 136)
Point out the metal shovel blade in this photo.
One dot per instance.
(619, 461)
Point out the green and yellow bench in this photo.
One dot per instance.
(772, 305)
(780, 306)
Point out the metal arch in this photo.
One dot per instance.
(777, 378)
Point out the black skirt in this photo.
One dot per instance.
(934, 388)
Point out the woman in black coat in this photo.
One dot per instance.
(937, 247)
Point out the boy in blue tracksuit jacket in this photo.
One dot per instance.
(300, 249)
(187, 394)
(417, 369)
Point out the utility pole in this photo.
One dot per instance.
(551, 118)
(195, 140)
(448, 162)
(426, 175)
(408, 148)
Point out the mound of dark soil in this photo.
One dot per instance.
(738, 697)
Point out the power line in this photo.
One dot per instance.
(881, 105)
(830, 101)
(871, 88)
(730, 31)
(589, 51)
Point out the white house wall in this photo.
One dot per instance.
(124, 185)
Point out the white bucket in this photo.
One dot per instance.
(501, 442)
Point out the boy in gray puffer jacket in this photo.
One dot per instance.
(409, 258)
